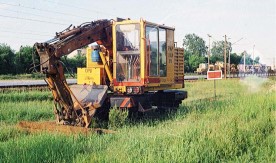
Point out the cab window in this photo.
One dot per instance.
(152, 48)
(162, 52)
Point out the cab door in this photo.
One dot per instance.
(152, 54)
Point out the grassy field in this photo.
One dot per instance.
(237, 126)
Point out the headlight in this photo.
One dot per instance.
(133, 90)
(129, 90)
(136, 90)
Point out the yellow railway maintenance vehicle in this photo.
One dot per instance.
(132, 65)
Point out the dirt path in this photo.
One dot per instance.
(52, 127)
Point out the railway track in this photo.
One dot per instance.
(28, 83)
(41, 84)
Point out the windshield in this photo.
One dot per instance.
(128, 52)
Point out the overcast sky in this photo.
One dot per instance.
(24, 22)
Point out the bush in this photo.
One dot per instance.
(117, 117)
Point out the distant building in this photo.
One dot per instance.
(78, 51)
(257, 68)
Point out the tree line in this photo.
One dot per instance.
(26, 61)
(196, 52)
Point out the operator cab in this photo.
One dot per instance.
(144, 56)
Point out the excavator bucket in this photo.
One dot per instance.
(90, 94)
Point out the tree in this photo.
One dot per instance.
(195, 45)
(217, 51)
(194, 61)
(257, 60)
(79, 60)
(235, 59)
(195, 51)
(248, 59)
(24, 59)
(6, 59)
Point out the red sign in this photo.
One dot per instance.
(212, 75)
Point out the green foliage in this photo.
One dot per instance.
(117, 117)
(73, 63)
(238, 126)
(217, 51)
(235, 59)
(194, 44)
(195, 50)
(45, 148)
(248, 59)
(7, 57)
(23, 105)
(25, 96)
(24, 59)
(257, 60)
(194, 61)
(32, 111)
(8, 132)
(21, 62)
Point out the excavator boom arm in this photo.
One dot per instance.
(67, 108)
(71, 39)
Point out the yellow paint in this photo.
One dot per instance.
(121, 89)
(170, 56)
(115, 45)
(89, 63)
(107, 70)
(90, 76)
(143, 49)
(94, 71)
(165, 87)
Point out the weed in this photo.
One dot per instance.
(117, 117)
(237, 126)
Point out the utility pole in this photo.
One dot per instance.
(274, 64)
(244, 62)
(253, 54)
(224, 57)
(229, 67)
(209, 51)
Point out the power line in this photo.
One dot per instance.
(28, 33)
(42, 21)
(32, 14)
(85, 9)
(25, 30)
(18, 37)
(40, 9)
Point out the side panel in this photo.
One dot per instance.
(179, 65)
(90, 76)
(170, 56)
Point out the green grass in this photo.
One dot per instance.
(237, 126)
(25, 105)
(25, 96)
(27, 76)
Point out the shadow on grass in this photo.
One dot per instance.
(158, 116)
